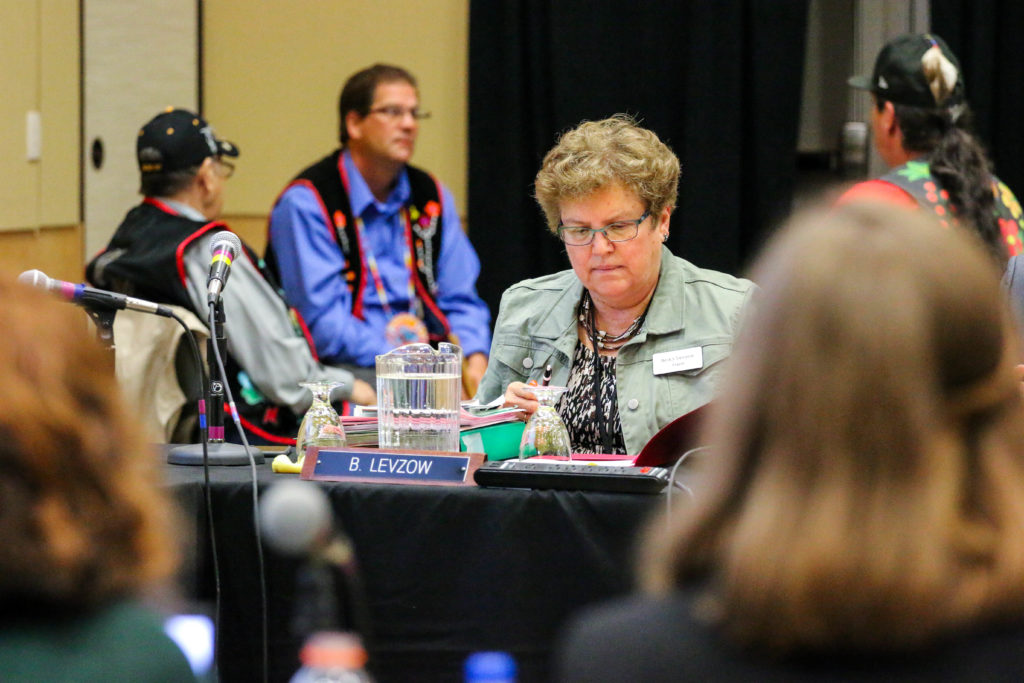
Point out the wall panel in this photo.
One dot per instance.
(39, 200)
(272, 78)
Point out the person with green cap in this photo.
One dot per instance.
(921, 125)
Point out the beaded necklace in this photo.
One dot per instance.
(600, 338)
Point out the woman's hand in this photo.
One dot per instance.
(518, 395)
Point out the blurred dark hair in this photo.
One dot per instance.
(959, 162)
(166, 184)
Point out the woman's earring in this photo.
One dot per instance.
(664, 237)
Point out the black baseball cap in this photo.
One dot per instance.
(178, 139)
(899, 74)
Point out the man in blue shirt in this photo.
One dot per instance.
(370, 249)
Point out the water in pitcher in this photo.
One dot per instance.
(418, 392)
(424, 414)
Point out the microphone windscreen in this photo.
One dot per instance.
(34, 278)
(295, 517)
(226, 236)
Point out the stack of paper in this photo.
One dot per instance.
(361, 429)
(476, 417)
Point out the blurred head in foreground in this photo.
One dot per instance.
(866, 485)
(82, 520)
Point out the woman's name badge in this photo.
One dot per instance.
(678, 361)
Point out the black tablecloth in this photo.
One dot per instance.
(447, 570)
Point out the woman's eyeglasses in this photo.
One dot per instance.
(620, 231)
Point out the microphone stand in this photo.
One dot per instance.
(219, 452)
(103, 317)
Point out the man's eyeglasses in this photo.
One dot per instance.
(395, 112)
(620, 231)
(227, 166)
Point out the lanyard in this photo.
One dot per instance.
(603, 428)
(368, 258)
(370, 261)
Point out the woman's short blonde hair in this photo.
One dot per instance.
(865, 483)
(598, 154)
(83, 519)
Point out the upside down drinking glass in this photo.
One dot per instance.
(321, 425)
(545, 433)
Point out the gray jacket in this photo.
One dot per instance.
(261, 336)
(692, 308)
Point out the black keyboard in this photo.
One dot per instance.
(566, 475)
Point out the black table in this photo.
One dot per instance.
(447, 570)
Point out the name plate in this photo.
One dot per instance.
(391, 466)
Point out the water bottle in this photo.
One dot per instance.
(329, 657)
(490, 667)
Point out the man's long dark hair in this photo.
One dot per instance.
(959, 162)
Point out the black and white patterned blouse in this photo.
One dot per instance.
(576, 406)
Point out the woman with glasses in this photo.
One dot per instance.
(635, 333)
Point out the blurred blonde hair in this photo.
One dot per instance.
(866, 486)
(83, 518)
(599, 154)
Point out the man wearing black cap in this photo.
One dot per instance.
(921, 127)
(161, 252)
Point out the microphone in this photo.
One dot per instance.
(296, 520)
(89, 297)
(224, 249)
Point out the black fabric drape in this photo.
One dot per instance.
(446, 570)
(719, 81)
(985, 35)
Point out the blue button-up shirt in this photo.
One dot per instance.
(311, 265)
